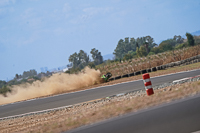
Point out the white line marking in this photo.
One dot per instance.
(180, 80)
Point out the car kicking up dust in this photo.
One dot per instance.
(58, 83)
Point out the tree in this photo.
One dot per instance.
(4, 90)
(83, 59)
(146, 45)
(28, 73)
(141, 51)
(97, 57)
(2, 83)
(91, 64)
(79, 60)
(74, 59)
(119, 51)
(155, 50)
(150, 42)
(16, 76)
(131, 54)
(165, 46)
(124, 46)
(178, 39)
(190, 39)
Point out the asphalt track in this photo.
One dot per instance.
(182, 116)
(87, 95)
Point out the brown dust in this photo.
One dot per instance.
(56, 84)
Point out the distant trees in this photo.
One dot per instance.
(178, 39)
(81, 59)
(143, 46)
(125, 46)
(4, 90)
(141, 51)
(190, 39)
(97, 57)
(168, 44)
(2, 83)
(26, 74)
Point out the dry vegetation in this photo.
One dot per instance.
(153, 74)
(138, 64)
(58, 121)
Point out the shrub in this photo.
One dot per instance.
(4, 90)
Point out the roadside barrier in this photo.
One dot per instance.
(187, 61)
(147, 83)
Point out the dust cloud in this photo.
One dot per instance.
(57, 83)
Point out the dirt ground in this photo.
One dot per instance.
(66, 119)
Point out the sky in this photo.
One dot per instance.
(44, 33)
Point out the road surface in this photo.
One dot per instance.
(182, 116)
(87, 95)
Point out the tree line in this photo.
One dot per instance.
(143, 46)
(82, 59)
(27, 76)
(129, 48)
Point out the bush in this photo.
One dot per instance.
(91, 64)
(190, 39)
(182, 45)
(155, 50)
(4, 90)
(151, 53)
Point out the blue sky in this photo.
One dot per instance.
(44, 33)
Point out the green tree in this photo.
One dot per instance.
(178, 39)
(141, 51)
(28, 73)
(79, 60)
(16, 76)
(97, 57)
(4, 90)
(190, 39)
(125, 45)
(155, 50)
(150, 42)
(91, 64)
(131, 54)
(120, 50)
(2, 83)
(166, 45)
(83, 59)
(74, 60)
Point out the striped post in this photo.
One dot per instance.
(147, 83)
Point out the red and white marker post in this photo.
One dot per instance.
(147, 83)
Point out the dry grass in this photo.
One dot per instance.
(59, 121)
(153, 74)
(138, 64)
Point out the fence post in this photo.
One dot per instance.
(147, 83)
